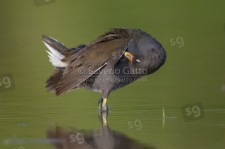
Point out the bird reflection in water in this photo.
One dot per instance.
(104, 138)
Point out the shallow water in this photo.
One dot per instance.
(180, 106)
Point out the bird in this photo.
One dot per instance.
(111, 61)
(62, 137)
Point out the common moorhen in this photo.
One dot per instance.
(113, 60)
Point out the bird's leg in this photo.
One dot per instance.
(104, 104)
(100, 104)
(105, 95)
(102, 115)
(104, 118)
(103, 110)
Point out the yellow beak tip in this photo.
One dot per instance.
(129, 56)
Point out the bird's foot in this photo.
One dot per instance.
(102, 106)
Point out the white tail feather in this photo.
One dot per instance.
(55, 57)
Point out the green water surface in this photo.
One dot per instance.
(193, 34)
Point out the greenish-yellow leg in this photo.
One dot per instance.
(104, 104)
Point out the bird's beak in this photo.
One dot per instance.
(129, 56)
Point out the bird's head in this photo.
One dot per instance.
(145, 54)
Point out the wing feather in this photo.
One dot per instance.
(106, 50)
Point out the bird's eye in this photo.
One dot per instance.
(138, 60)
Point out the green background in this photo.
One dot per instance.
(192, 73)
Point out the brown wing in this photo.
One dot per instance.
(107, 48)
